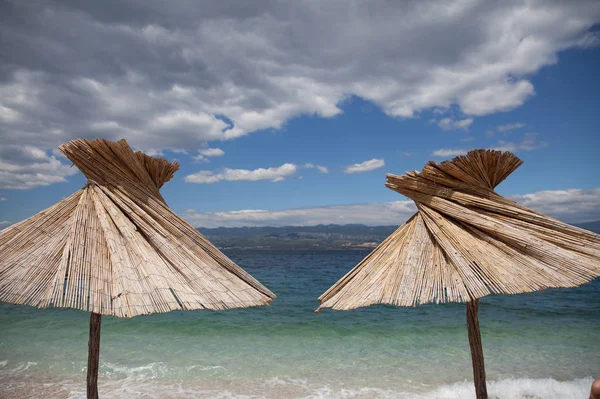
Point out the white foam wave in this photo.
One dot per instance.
(518, 388)
(18, 368)
(149, 371)
(205, 368)
(521, 388)
(283, 387)
(281, 381)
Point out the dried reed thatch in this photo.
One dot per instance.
(466, 242)
(115, 248)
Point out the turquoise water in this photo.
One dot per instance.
(541, 345)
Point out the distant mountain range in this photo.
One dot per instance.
(331, 236)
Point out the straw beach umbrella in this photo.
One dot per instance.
(115, 248)
(466, 242)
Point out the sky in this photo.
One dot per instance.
(291, 113)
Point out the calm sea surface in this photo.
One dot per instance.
(540, 345)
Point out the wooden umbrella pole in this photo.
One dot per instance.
(93, 356)
(476, 349)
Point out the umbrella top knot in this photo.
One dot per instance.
(479, 171)
(111, 163)
(483, 169)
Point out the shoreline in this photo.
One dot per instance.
(285, 388)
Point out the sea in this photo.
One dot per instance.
(538, 345)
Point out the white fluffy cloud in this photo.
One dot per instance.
(24, 167)
(495, 97)
(320, 168)
(449, 152)
(571, 206)
(365, 166)
(2, 199)
(529, 143)
(273, 174)
(205, 153)
(177, 75)
(212, 152)
(510, 126)
(370, 214)
(452, 124)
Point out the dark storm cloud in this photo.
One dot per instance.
(163, 74)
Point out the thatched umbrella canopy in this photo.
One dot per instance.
(115, 248)
(466, 242)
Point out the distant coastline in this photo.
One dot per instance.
(320, 237)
